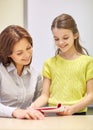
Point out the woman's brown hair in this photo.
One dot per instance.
(8, 38)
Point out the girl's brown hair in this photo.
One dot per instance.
(67, 22)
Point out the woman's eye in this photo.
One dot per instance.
(19, 53)
(29, 48)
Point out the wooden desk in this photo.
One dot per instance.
(49, 123)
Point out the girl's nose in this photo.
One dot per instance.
(60, 42)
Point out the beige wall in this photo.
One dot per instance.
(11, 12)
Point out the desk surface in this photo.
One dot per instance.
(49, 123)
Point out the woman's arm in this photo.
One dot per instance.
(6, 111)
(38, 88)
(27, 114)
(43, 99)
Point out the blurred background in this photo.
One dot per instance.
(37, 15)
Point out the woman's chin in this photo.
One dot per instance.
(27, 63)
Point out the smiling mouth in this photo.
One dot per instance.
(27, 59)
(63, 46)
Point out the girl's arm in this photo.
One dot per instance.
(43, 99)
(87, 100)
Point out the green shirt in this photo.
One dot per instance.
(68, 78)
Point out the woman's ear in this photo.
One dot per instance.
(9, 56)
(76, 35)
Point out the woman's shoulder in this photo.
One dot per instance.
(3, 71)
(2, 67)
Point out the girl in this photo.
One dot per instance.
(68, 76)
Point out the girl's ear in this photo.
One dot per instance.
(76, 35)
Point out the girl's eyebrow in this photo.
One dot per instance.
(55, 36)
(62, 36)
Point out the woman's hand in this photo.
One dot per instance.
(28, 114)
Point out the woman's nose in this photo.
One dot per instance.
(26, 54)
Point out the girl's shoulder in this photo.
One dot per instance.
(86, 60)
(51, 59)
(86, 57)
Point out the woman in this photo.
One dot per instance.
(19, 84)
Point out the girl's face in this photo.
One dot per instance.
(22, 53)
(64, 39)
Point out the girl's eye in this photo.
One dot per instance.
(56, 39)
(65, 38)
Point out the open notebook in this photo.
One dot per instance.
(52, 109)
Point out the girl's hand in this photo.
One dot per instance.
(68, 110)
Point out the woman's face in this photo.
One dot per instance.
(22, 53)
